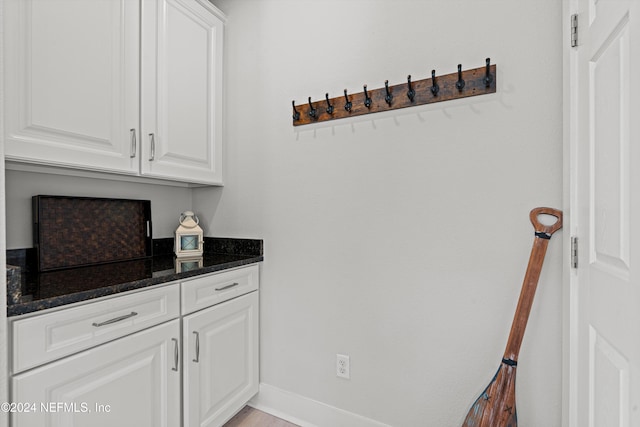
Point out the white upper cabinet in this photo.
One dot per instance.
(181, 90)
(71, 82)
(117, 86)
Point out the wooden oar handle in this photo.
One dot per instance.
(540, 227)
(540, 243)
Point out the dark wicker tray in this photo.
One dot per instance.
(79, 231)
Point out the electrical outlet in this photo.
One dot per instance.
(343, 367)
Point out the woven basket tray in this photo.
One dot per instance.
(79, 231)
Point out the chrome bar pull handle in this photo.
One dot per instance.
(197, 359)
(227, 287)
(176, 355)
(115, 319)
(132, 152)
(152, 139)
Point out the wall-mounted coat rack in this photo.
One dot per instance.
(461, 84)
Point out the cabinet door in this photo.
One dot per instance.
(181, 90)
(72, 82)
(221, 361)
(128, 382)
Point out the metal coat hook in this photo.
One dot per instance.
(348, 104)
(411, 93)
(460, 82)
(312, 111)
(434, 86)
(388, 97)
(488, 78)
(329, 106)
(367, 100)
(296, 113)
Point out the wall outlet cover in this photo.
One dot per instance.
(343, 366)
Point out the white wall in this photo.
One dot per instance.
(166, 201)
(400, 238)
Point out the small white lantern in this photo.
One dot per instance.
(189, 236)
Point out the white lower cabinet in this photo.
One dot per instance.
(133, 381)
(139, 360)
(46, 337)
(221, 360)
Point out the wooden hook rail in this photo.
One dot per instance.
(461, 84)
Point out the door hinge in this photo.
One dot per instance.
(574, 252)
(574, 30)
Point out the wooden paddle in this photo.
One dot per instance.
(496, 406)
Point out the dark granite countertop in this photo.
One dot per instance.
(29, 290)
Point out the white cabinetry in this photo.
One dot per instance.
(221, 361)
(46, 337)
(133, 378)
(124, 361)
(133, 381)
(129, 87)
(71, 82)
(181, 128)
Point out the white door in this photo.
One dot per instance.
(131, 382)
(221, 361)
(182, 90)
(72, 83)
(604, 128)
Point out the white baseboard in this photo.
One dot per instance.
(306, 412)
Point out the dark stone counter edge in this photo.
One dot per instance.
(21, 262)
(33, 306)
